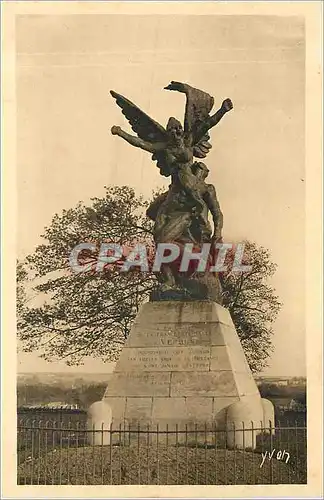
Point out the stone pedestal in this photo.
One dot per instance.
(99, 417)
(183, 364)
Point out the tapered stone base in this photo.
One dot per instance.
(183, 364)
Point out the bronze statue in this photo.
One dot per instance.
(181, 214)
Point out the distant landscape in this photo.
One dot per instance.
(63, 379)
(70, 379)
(80, 390)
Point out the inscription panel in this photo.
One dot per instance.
(164, 359)
(169, 334)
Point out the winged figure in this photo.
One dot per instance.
(174, 147)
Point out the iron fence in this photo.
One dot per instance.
(61, 453)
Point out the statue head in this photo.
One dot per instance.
(174, 130)
(200, 170)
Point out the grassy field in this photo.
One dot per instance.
(55, 457)
(143, 465)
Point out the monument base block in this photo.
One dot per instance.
(183, 365)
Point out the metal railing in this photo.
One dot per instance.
(68, 453)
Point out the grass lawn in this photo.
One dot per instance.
(138, 464)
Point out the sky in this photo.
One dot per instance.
(66, 66)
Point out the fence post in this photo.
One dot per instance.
(215, 456)
(177, 461)
(157, 454)
(297, 451)
(234, 447)
(46, 446)
(110, 452)
(253, 463)
(32, 452)
(101, 452)
(243, 431)
(186, 445)
(39, 432)
(138, 454)
(54, 448)
(271, 448)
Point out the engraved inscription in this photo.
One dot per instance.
(169, 334)
(165, 359)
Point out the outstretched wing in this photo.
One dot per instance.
(202, 148)
(144, 126)
(198, 106)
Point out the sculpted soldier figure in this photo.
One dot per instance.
(181, 214)
(175, 216)
(177, 222)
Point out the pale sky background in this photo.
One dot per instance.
(66, 66)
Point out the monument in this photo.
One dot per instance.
(183, 363)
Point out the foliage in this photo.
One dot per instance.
(289, 392)
(252, 303)
(91, 313)
(88, 313)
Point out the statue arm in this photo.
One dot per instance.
(137, 141)
(213, 120)
(214, 207)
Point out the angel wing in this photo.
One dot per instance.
(144, 126)
(198, 106)
(202, 147)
